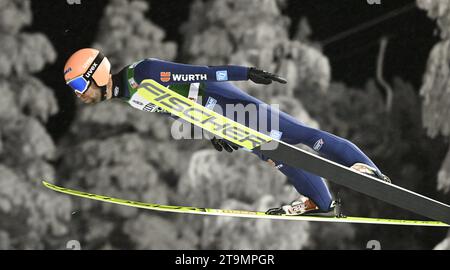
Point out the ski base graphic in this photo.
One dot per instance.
(240, 213)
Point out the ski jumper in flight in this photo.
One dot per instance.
(88, 73)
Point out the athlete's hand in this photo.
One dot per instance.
(260, 76)
(220, 144)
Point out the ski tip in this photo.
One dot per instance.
(46, 184)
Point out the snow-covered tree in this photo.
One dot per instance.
(31, 216)
(436, 84)
(118, 151)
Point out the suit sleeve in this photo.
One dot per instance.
(172, 73)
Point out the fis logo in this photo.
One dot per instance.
(168, 76)
(222, 75)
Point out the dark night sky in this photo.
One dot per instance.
(353, 58)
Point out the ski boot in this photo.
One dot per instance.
(366, 169)
(302, 206)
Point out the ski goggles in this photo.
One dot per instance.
(81, 83)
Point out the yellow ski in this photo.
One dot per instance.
(240, 213)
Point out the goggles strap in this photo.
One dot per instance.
(94, 67)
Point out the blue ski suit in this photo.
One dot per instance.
(216, 92)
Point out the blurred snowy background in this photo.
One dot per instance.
(378, 75)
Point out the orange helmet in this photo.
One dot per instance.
(84, 66)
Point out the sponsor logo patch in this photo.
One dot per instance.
(116, 91)
(67, 70)
(279, 166)
(169, 76)
(149, 107)
(138, 102)
(276, 134)
(318, 145)
(165, 76)
(210, 103)
(133, 83)
(189, 77)
(221, 75)
(141, 104)
(91, 70)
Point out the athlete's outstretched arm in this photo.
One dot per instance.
(171, 73)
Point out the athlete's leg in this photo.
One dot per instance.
(307, 184)
(328, 145)
(292, 132)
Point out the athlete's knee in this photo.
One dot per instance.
(349, 144)
(324, 202)
(344, 146)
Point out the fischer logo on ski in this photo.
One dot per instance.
(200, 116)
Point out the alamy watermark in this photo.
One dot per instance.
(73, 2)
(374, 2)
(73, 245)
(373, 245)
